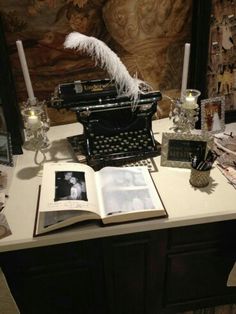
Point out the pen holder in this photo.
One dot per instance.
(199, 178)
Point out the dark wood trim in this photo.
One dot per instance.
(230, 116)
(199, 48)
(199, 45)
(8, 96)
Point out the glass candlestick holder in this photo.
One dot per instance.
(190, 98)
(36, 123)
(185, 113)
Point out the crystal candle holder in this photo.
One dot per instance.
(185, 112)
(190, 108)
(190, 97)
(36, 125)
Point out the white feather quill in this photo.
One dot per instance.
(109, 61)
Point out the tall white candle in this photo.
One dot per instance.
(185, 69)
(25, 71)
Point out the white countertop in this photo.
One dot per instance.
(185, 205)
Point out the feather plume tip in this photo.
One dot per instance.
(109, 61)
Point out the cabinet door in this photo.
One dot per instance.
(197, 275)
(134, 271)
(59, 279)
(199, 261)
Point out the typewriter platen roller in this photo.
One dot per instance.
(114, 133)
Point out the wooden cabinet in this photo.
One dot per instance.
(58, 279)
(163, 271)
(134, 271)
(199, 260)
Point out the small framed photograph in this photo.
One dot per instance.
(6, 157)
(177, 149)
(213, 114)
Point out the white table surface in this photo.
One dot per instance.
(185, 205)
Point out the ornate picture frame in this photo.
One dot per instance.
(213, 114)
(6, 157)
(178, 148)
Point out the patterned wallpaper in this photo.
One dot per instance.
(148, 36)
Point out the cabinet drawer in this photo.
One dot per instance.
(48, 255)
(200, 235)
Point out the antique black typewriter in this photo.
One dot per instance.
(114, 132)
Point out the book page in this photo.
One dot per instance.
(124, 190)
(68, 187)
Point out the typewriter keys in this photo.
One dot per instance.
(77, 143)
(149, 163)
(137, 140)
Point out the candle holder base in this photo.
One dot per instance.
(35, 144)
(185, 120)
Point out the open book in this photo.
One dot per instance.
(73, 192)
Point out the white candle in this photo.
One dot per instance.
(33, 121)
(190, 102)
(25, 71)
(185, 69)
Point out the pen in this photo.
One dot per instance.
(205, 164)
(202, 165)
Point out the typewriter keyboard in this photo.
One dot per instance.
(114, 150)
(122, 143)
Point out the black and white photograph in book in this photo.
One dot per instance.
(70, 185)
